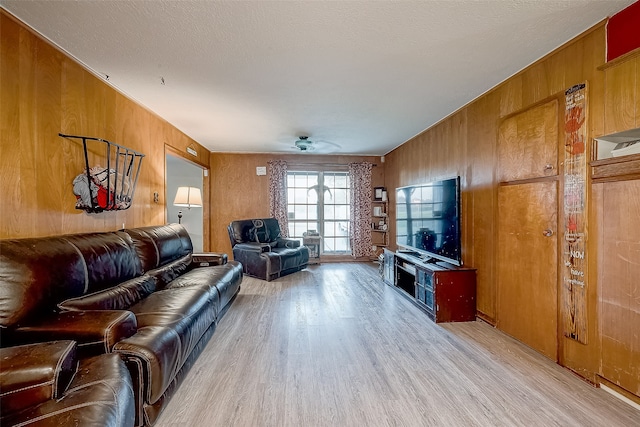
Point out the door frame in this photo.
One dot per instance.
(206, 191)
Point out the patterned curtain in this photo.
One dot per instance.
(360, 212)
(278, 194)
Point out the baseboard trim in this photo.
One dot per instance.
(620, 393)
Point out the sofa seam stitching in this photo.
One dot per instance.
(84, 264)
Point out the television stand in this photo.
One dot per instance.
(447, 293)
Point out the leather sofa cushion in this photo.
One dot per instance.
(224, 279)
(35, 275)
(159, 245)
(119, 297)
(100, 394)
(168, 272)
(34, 373)
(170, 306)
(109, 258)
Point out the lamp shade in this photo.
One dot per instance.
(189, 197)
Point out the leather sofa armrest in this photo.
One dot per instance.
(96, 331)
(206, 259)
(287, 243)
(253, 247)
(35, 373)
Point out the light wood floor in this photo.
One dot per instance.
(334, 346)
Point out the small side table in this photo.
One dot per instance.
(313, 243)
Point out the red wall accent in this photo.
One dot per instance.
(623, 34)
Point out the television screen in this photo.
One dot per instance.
(428, 219)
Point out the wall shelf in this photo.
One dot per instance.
(380, 222)
(613, 145)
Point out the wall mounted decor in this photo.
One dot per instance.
(574, 282)
(108, 188)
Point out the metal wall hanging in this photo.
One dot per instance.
(108, 188)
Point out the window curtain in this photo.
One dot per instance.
(278, 194)
(360, 210)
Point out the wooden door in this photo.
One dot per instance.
(528, 143)
(528, 264)
(619, 290)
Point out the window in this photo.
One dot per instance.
(320, 201)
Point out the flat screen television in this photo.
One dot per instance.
(428, 219)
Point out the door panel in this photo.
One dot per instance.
(528, 144)
(618, 284)
(527, 264)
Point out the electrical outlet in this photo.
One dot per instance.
(374, 247)
(156, 197)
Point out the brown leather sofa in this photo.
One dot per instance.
(263, 252)
(140, 293)
(46, 384)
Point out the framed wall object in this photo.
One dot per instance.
(377, 193)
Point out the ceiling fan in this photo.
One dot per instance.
(304, 144)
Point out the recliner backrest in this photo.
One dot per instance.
(258, 230)
(273, 227)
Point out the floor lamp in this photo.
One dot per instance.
(189, 197)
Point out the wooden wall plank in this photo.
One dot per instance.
(480, 176)
(637, 92)
(511, 95)
(26, 179)
(576, 55)
(535, 83)
(48, 154)
(10, 122)
(619, 99)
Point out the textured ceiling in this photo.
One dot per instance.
(251, 76)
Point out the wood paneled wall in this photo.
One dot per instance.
(44, 92)
(238, 193)
(616, 209)
(465, 144)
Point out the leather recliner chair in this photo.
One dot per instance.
(259, 246)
